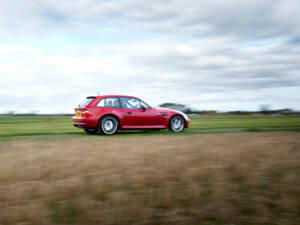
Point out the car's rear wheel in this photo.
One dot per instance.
(91, 131)
(108, 125)
(176, 124)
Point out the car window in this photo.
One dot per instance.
(130, 103)
(109, 103)
(145, 105)
(86, 101)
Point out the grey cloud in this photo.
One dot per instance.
(247, 69)
(203, 51)
(242, 19)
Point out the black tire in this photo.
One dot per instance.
(108, 125)
(91, 130)
(176, 124)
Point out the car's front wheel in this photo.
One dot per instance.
(108, 125)
(176, 124)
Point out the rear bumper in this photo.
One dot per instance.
(82, 122)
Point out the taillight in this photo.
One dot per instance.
(86, 112)
(83, 112)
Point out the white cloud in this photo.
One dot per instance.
(209, 54)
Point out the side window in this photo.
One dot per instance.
(130, 103)
(109, 103)
(145, 105)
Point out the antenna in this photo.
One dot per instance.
(94, 89)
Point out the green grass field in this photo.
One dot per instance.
(210, 122)
(12, 125)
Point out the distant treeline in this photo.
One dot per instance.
(37, 114)
(268, 112)
(183, 108)
(264, 110)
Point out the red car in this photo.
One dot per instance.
(108, 113)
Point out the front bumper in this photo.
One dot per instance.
(187, 123)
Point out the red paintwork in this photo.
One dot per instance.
(138, 119)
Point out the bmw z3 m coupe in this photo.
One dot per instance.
(108, 113)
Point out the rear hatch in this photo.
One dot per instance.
(82, 109)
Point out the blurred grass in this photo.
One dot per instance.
(36, 125)
(224, 179)
(12, 125)
(212, 122)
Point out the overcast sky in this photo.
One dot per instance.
(208, 54)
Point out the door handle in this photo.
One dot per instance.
(129, 112)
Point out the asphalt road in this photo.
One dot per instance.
(216, 130)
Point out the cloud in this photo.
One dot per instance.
(241, 19)
(209, 54)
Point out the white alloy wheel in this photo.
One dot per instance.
(177, 124)
(109, 125)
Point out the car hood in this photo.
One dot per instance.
(175, 111)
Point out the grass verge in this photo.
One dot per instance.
(50, 125)
(242, 178)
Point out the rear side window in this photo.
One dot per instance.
(109, 103)
(86, 101)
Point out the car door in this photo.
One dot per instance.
(131, 112)
(135, 116)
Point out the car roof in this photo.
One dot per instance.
(126, 96)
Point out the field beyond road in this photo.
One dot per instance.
(209, 179)
(17, 125)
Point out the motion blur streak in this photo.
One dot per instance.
(245, 178)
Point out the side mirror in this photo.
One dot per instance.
(143, 108)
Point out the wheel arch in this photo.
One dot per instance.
(110, 114)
